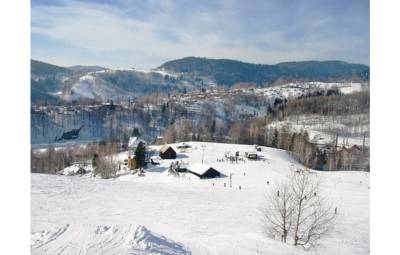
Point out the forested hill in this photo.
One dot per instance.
(51, 83)
(43, 69)
(228, 72)
(45, 80)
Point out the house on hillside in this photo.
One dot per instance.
(134, 141)
(203, 171)
(159, 140)
(183, 146)
(167, 152)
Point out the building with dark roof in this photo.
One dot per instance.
(167, 152)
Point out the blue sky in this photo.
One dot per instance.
(146, 33)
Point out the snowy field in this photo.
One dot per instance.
(293, 90)
(162, 214)
(323, 129)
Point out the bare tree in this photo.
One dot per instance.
(313, 217)
(280, 211)
(170, 134)
(296, 209)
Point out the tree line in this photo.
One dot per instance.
(258, 130)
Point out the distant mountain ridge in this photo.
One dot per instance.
(42, 69)
(85, 69)
(50, 83)
(228, 72)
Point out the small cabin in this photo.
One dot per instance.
(167, 152)
(251, 155)
(203, 171)
(183, 146)
(159, 140)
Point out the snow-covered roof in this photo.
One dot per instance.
(134, 142)
(199, 168)
(251, 153)
(164, 148)
(183, 145)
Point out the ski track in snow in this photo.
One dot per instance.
(107, 239)
(41, 238)
(161, 214)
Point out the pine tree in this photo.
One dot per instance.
(140, 155)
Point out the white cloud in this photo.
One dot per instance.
(94, 27)
(104, 28)
(163, 31)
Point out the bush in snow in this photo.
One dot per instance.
(106, 167)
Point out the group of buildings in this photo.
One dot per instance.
(166, 152)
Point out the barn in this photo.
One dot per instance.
(167, 152)
(203, 171)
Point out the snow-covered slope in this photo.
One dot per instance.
(350, 129)
(163, 214)
(91, 86)
(158, 71)
(293, 90)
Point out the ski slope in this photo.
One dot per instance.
(92, 86)
(163, 214)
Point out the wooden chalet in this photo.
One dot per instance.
(167, 152)
(203, 171)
